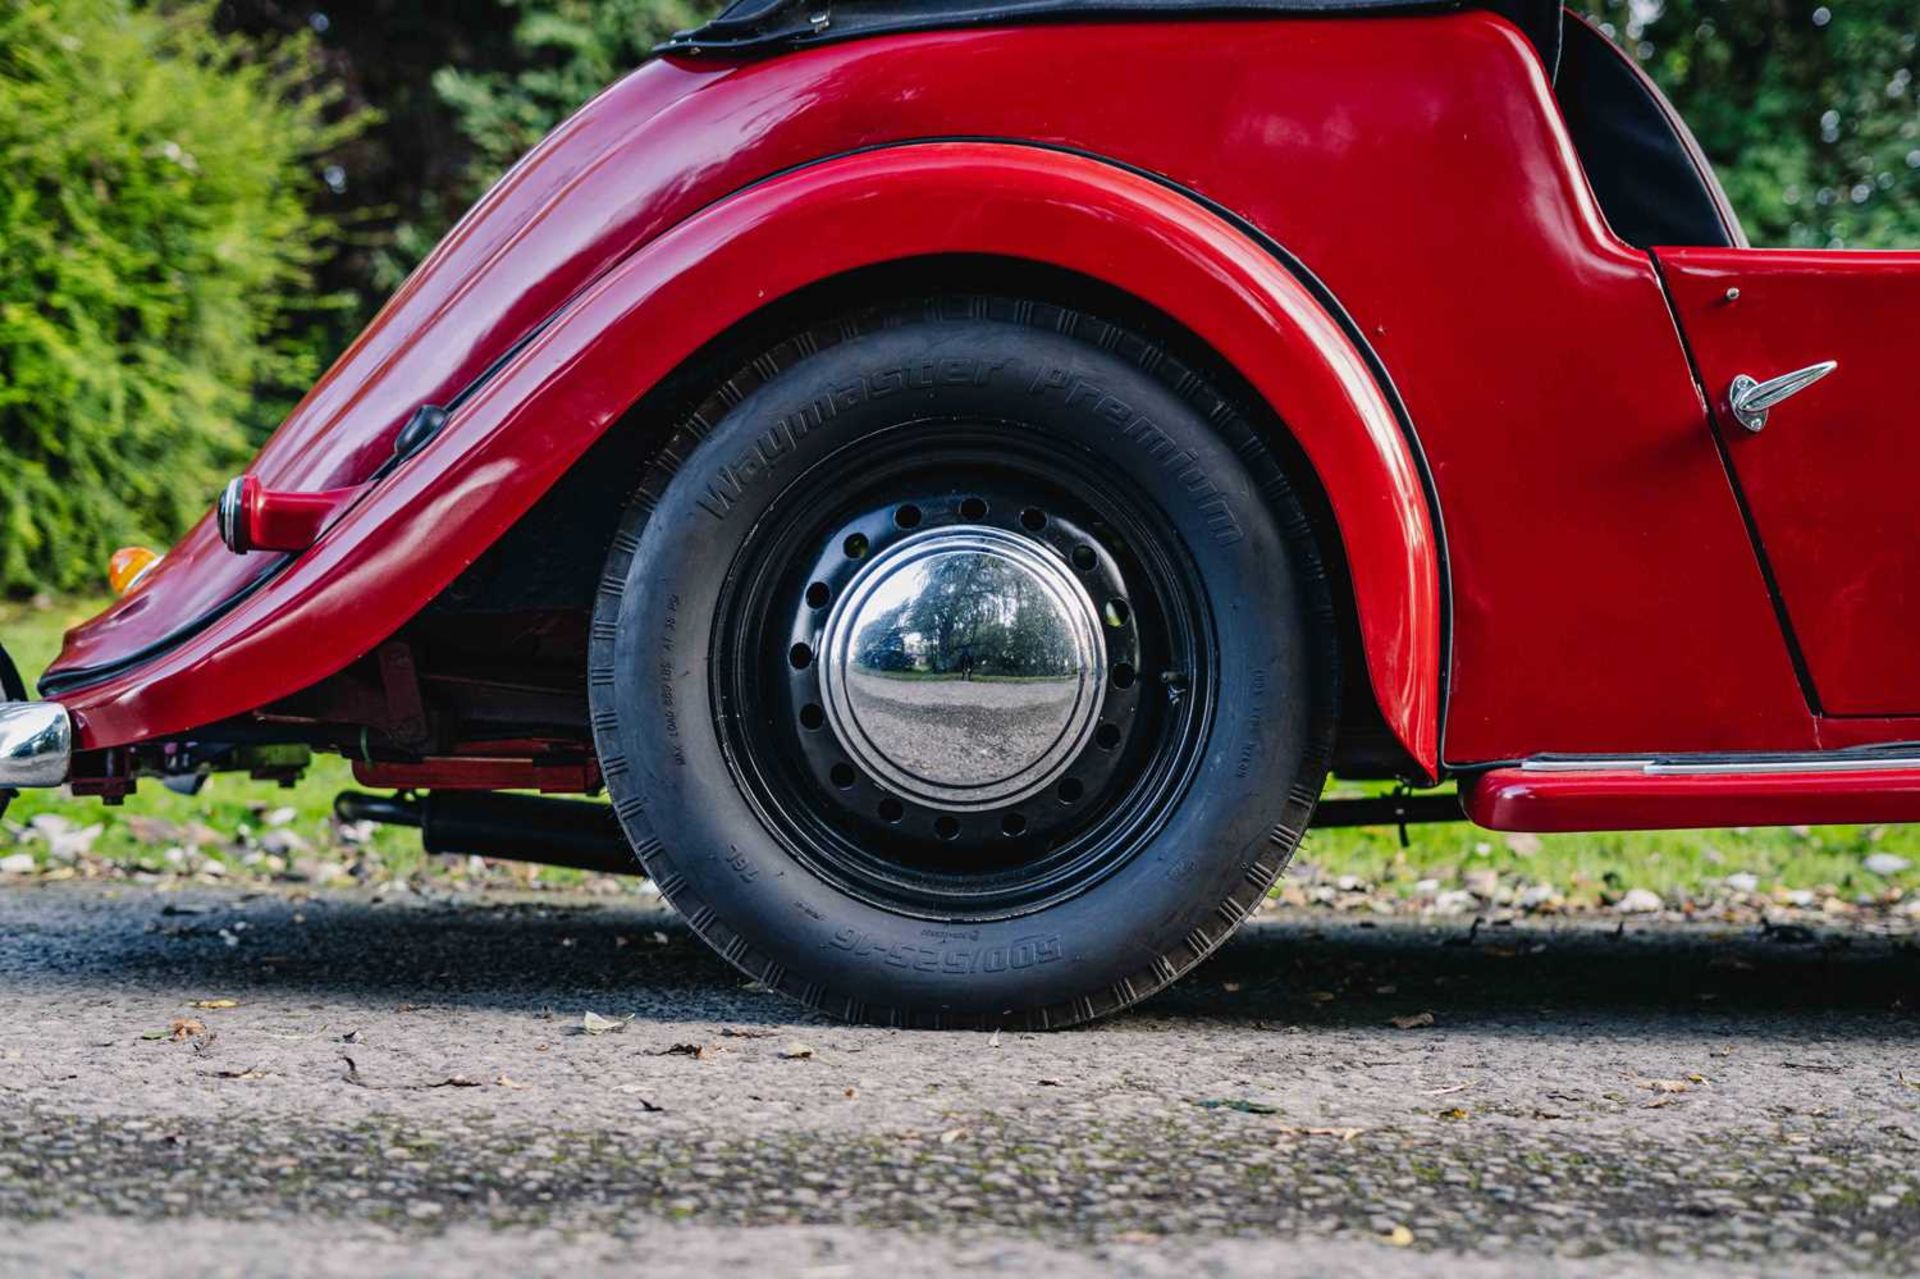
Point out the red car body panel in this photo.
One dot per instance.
(1604, 593)
(1829, 478)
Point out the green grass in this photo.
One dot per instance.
(1673, 863)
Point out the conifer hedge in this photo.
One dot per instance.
(156, 251)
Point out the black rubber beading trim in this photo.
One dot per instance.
(767, 29)
(87, 676)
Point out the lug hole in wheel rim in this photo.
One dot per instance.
(862, 803)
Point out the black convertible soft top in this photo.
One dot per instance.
(749, 28)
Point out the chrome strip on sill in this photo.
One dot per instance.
(1823, 764)
(1831, 762)
(1591, 764)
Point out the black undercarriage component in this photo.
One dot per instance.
(585, 836)
(1389, 810)
(527, 828)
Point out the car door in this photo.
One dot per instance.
(1828, 472)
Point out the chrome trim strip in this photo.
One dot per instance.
(1679, 766)
(1823, 764)
(1589, 764)
(36, 744)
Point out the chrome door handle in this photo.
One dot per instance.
(1750, 400)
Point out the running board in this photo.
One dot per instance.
(1559, 793)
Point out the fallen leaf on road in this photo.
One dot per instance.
(1412, 1021)
(456, 1081)
(181, 1028)
(797, 1051)
(1666, 1085)
(1344, 1134)
(251, 1072)
(952, 1135)
(505, 1082)
(632, 1090)
(1320, 996)
(851, 1092)
(746, 1032)
(1456, 1113)
(699, 1052)
(1446, 1091)
(592, 1023)
(214, 1003)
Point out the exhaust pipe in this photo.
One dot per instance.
(523, 828)
(36, 744)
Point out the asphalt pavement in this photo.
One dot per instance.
(215, 1082)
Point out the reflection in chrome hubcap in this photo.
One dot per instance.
(963, 667)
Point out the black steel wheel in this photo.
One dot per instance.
(965, 664)
(962, 671)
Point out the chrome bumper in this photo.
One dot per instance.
(36, 744)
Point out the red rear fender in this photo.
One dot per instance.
(420, 526)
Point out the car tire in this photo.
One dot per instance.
(817, 811)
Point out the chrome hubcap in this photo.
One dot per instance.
(963, 667)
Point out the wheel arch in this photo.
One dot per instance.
(522, 562)
(729, 268)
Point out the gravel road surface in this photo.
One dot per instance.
(403, 1085)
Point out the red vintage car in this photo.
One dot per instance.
(959, 475)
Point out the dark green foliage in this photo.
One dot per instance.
(567, 51)
(154, 287)
(1807, 109)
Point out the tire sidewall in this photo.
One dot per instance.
(719, 860)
